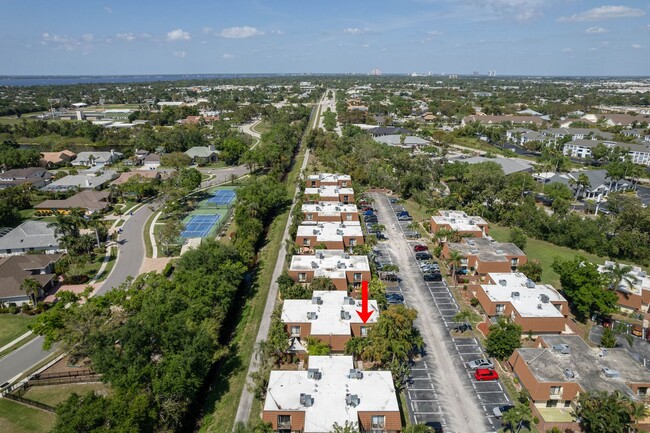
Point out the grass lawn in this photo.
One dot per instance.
(147, 239)
(13, 326)
(109, 266)
(545, 252)
(53, 395)
(262, 127)
(26, 213)
(18, 418)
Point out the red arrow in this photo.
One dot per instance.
(364, 314)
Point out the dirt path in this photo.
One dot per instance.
(457, 398)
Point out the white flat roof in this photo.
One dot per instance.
(637, 276)
(529, 303)
(458, 220)
(328, 314)
(329, 177)
(329, 263)
(330, 231)
(329, 208)
(329, 191)
(375, 390)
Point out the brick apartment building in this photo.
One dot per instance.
(329, 316)
(329, 193)
(331, 391)
(561, 367)
(329, 179)
(460, 222)
(334, 236)
(343, 269)
(482, 256)
(634, 291)
(330, 211)
(538, 308)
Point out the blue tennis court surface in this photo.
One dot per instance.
(199, 226)
(222, 197)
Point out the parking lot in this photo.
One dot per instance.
(428, 391)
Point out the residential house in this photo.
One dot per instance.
(599, 184)
(562, 367)
(428, 117)
(89, 200)
(14, 270)
(509, 165)
(329, 193)
(343, 269)
(329, 179)
(124, 177)
(29, 237)
(202, 154)
(482, 255)
(495, 120)
(626, 120)
(151, 161)
(329, 316)
(577, 133)
(638, 152)
(460, 222)
(641, 134)
(57, 159)
(407, 141)
(332, 235)
(330, 211)
(87, 179)
(97, 158)
(537, 308)
(388, 130)
(634, 289)
(331, 391)
(37, 177)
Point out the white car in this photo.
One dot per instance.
(500, 410)
(481, 363)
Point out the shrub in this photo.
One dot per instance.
(169, 268)
(474, 302)
(12, 309)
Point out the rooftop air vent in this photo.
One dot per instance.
(321, 255)
(348, 300)
(346, 256)
(345, 315)
(314, 265)
(314, 373)
(352, 400)
(569, 374)
(318, 208)
(355, 374)
(499, 251)
(562, 348)
(530, 284)
(317, 300)
(473, 250)
(611, 373)
(336, 208)
(339, 232)
(515, 295)
(311, 315)
(315, 231)
(340, 265)
(503, 283)
(306, 400)
(544, 298)
(539, 306)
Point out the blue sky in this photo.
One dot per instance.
(539, 37)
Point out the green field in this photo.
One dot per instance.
(53, 395)
(18, 418)
(13, 326)
(545, 252)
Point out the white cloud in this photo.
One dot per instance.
(593, 49)
(108, 10)
(521, 10)
(88, 37)
(126, 36)
(605, 13)
(277, 32)
(637, 46)
(241, 32)
(60, 41)
(596, 30)
(365, 46)
(207, 30)
(227, 56)
(567, 50)
(178, 35)
(434, 33)
(354, 31)
(180, 54)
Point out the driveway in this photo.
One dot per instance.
(442, 391)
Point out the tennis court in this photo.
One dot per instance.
(222, 197)
(199, 226)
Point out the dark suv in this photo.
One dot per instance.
(423, 255)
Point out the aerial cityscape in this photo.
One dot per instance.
(357, 217)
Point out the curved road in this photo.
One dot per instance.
(129, 260)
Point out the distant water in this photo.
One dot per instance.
(52, 80)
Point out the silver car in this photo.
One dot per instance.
(499, 411)
(481, 363)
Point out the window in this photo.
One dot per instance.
(357, 277)
(378, 422)
(501, 308)
(295, 331)
(642, 391)
(284, 422)
(353, 242)
(567, 403)
(302, 277)
(306, 242)
(346, 198)
(514, 263)
(364, 331)
(551, 403)
(348, 217)
(310, 217)
(313, 183)
(344, 183)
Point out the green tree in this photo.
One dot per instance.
(532, 269)
(516, 417)
(348, 427)
(31, 287)
(607, 412)
(584, 287)
(169, 233)
(608, 338)
(189, 179)
(176, 160)
(316, 347)
(503, 339)
(618, 274)
(322, 283)
(518, 237)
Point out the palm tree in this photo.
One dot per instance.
(454, 260)
(463, 316)
(618, 274)
(517, 416)
(31, 288)
(348, 427)
(233, 178)
(581, 184)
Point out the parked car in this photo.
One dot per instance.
(423, 255)
(371, 219)
(461, 271)
(380, 236)
(420, 247)
(412, 235)
(484, 374)
(500, 410)
(393, 200)
(463, 327)
(395, 298)
(369, 212)
(433, 277)
(637, 330)
(401, 212)
(404, 218)
(480, 363)
(367, 208)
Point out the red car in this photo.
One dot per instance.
(419, 248)
(486, 374)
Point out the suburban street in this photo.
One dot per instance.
(443, 391)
